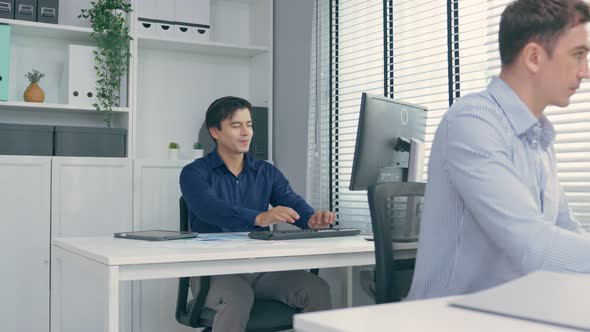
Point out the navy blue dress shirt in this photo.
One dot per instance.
(218, 201)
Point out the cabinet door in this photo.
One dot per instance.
(91, 196)
(156, 194)
(24, 249)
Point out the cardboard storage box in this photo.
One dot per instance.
(192, 20)
(25, 10)
(33, 140)
(6, 8)
(48, 11)
(90, 141)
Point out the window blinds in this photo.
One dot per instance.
(571, 123)
(318, 156)
(425, 52)
(356, 66)
(392, 48)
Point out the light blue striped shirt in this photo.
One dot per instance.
(493, 208)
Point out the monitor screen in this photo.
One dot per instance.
(387, 131)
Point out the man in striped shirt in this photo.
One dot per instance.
(494, 209)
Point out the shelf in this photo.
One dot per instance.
(47, 30)
(26, 106)
(207, 48)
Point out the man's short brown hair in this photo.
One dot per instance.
(541, 21)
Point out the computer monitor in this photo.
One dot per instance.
(389, 142)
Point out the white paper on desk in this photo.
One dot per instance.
(561, 299)
(213, 241)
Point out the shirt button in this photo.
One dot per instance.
(533, 143)
(237, 181)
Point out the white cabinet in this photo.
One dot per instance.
(156, 207)
(157, 190)
(24, 249)
(90, 196)
(170, 85)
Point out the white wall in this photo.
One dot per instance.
(292, 60)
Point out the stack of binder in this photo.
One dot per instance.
(184, 20)
(45, 11)
(4, 60)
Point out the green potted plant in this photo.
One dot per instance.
(34, 93)
(198, 150)
(111, 59)
(173, 149)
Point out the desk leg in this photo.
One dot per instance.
(112, 301)
(84, 294)
(344, 283)
(349, 285)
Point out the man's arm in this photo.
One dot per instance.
(204, 203)
(479, 165)
(283, 195)
(565, 219)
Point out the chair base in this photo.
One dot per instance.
(265, 316)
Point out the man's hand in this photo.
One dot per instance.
(321, 219)
(276, 215)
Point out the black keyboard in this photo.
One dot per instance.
(303, 233)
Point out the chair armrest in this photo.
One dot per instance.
(190, 315)
(181, 298)
(196, 307)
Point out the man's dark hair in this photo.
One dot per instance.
(541, 21)
(224, 108)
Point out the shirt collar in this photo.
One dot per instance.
(216, 161)
(535, 131)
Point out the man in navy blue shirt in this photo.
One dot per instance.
(229, 191)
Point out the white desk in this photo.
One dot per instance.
(98, 264)
(429, 315)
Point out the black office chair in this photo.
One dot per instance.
(265, 316)
(394, 219)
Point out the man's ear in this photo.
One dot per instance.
(532, 56)
(214, 132)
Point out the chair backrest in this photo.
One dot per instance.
(266, 315)
(395, 215)
(188, 313)
(183, 221)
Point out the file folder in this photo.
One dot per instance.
(192, 19)
(6, 8)
(48, 11)
(25, 10)
(4, 60)
(81, 76)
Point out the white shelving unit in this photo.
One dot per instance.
(46, 107)
(204, 48)
(46, 30)
(170, 83)
(169, 87)
(177, 80)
